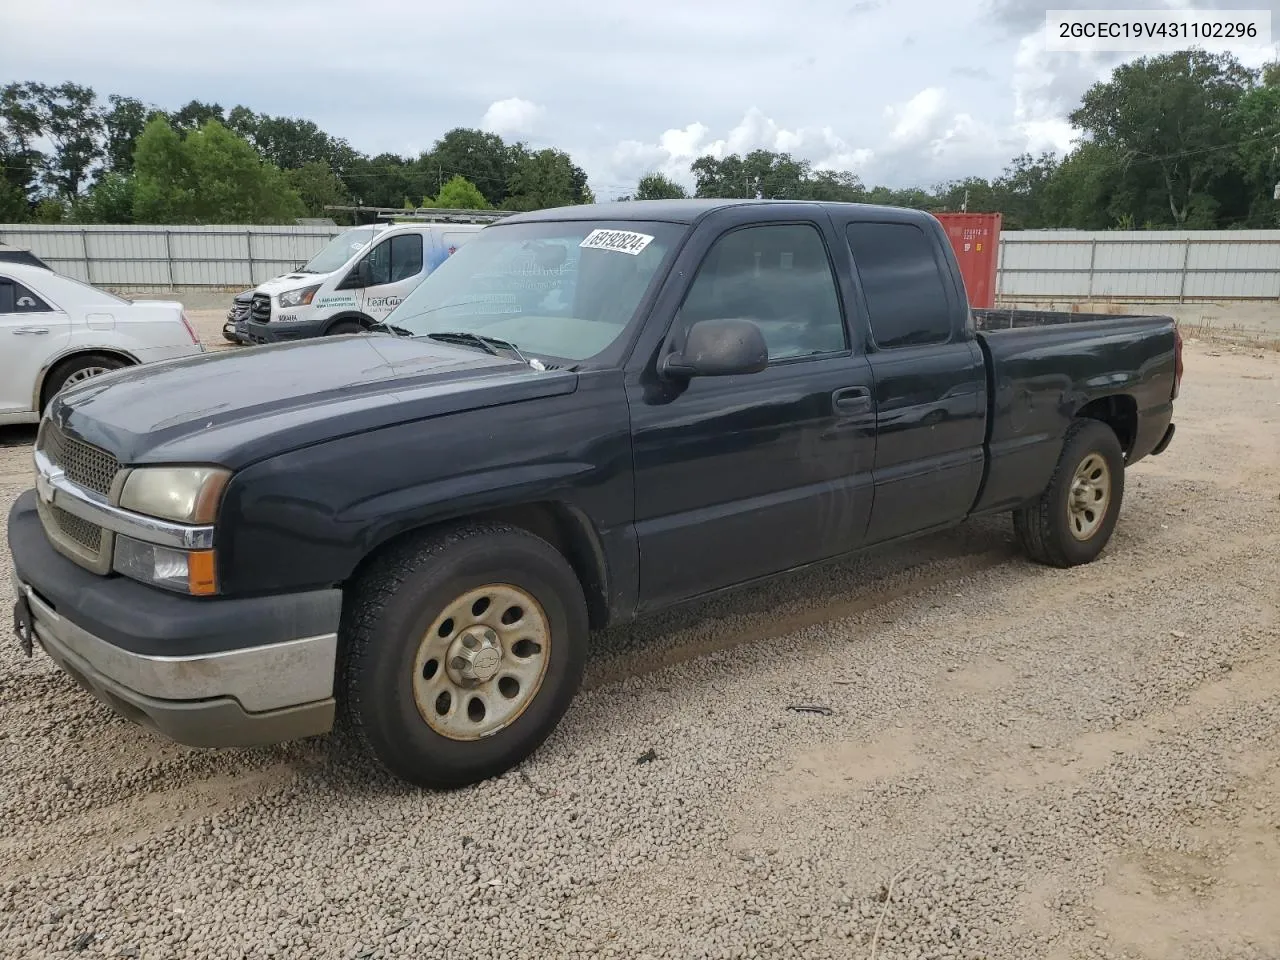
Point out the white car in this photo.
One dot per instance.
(55, 330)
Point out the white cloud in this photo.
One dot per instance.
(917, 120)
(677, 148)
(512, 117)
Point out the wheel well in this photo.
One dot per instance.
(561, 526)
(1120, 413)
(359, 318)
(42, 401)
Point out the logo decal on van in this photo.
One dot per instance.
(384, 302)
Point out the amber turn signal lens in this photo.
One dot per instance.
(202, 577)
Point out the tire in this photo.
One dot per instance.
(401, 618)
(343, 327)
(74, 370)
(1049, 529)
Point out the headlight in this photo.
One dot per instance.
(298, 298)
(182, 494)
(185, 571)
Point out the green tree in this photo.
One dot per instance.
(483, 158)
(211, 176)
(109, 200)
(68, 116)
(123, 124)
(164, 189)
(1021, 190)
(547, 178)
(20, 161)
(833, 186)
(971, 193)
(385, 180)
(196, 114)
(656, 186)
(1165, 117)
(458, 193)
(318, 187)
(13, 201)
(50, 210)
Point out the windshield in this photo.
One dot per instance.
(564, 289)
(339, 250)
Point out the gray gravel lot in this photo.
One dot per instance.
(1017, 763)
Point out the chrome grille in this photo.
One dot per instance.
(88, 535)
(84, 464)
(260, 311)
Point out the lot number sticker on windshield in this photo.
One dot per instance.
(622, 241)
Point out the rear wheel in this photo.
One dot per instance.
(344, 326)
(462, 653)
(1071, 522)
(75, 370)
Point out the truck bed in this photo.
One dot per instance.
(1044, 365)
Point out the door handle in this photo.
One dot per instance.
(29, 331)
(852, 400)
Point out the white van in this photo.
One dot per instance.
(354, 282)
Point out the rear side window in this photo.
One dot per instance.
(903, 284)
(15, 298)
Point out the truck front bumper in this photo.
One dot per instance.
(207, 673)
(252, 331)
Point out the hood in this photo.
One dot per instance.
(290, 281)
(235, 407)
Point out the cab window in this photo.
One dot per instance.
(779, 276)
(396, 259)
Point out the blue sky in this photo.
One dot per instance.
(901, 91)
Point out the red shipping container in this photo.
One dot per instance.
(975, 237)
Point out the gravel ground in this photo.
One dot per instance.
(1007, 762)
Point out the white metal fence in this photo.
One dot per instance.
(1139, 265)
(160, 257)
(1034, 264)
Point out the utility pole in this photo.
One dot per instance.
(964, 207)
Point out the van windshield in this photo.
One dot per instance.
(562, 289)
(339, 250)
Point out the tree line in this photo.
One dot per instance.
(1185, 140)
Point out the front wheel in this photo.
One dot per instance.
(1071, 522)
(344, 327)
(463, 652)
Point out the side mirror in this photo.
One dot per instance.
(358, 278)
(718, 348)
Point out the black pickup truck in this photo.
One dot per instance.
(586, 415)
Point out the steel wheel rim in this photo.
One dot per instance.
(482, 662)
(1089, 497)
(83, 374)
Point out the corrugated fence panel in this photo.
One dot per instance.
(170, 256)
(1150, 265)
(1047, 264)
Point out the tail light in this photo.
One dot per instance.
(195, 337)
(1177, 361)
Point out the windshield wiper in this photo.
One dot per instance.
(488, 344)
(392, 328)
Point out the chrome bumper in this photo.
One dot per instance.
(256, 695)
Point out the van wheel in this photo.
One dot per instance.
(1072, 520)
(344, 326)
(462, 651)
(76, 370)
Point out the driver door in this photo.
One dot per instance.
(740, 477)
(395, 267)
